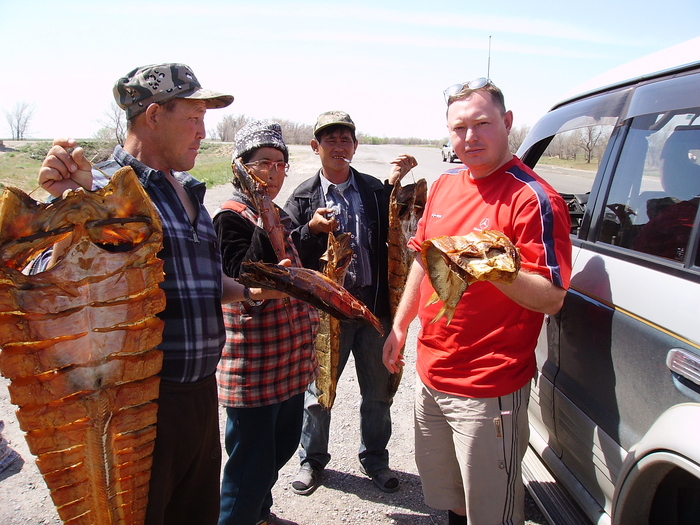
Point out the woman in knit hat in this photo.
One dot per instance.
(269, 358)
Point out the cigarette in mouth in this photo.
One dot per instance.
(346, 160)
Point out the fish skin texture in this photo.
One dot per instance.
(79, 343)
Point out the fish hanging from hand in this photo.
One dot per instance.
(406, 205)
(79, 342)
(306, 285)
(453, 263)
(335, 263)
(257, 190)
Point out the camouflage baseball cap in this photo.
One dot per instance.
(160, 83)
(330, 118)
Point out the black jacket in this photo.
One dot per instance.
(308, 197)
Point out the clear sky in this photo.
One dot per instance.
(384, 62)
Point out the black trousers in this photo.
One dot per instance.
(186, 468)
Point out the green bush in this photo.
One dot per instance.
(36, 150)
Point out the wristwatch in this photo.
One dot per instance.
(251, 302)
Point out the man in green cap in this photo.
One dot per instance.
(341, 199)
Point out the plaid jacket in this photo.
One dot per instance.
(194, 328)
(269, 355)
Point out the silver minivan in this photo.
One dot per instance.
(615, 405)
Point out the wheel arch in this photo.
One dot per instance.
(668, 452)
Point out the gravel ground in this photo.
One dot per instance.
(346, 495)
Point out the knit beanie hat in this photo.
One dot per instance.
(259, 134)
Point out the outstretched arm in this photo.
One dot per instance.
(406, 312)
(233, 290)
(400, 166)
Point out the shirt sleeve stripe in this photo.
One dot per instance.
(546, 221)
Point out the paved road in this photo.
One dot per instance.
(375, 161)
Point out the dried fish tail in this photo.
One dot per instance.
(406, 205)
(335, 263)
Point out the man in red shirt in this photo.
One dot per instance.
(474, 374)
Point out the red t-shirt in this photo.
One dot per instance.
(488, 348)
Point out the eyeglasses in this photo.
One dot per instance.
(268, 165)
(477, 83)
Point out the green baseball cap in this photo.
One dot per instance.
(331, 118)
(160, 83)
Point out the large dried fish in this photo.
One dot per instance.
(453, 263)
(310, 286)
(335, 264)
(257, 189)
(78, 343)
(406, 205)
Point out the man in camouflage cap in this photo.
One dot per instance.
(160, 83)
(165, 105)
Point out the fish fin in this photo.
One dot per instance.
(433, 299)
(440, 314)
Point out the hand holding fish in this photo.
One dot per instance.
(260, 294)
(233, 291)
(400, 166)
(323, 221)
(63, 170)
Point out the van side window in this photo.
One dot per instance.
(570, 164)
(653, 199)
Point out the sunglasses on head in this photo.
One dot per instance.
(477, 83)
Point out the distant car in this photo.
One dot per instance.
(448, 154)
(615, 403)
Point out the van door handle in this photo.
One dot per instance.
(685, 364)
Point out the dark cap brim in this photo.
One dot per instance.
(213, 99)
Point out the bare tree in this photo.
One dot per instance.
(517, 136)
(295, 133)
(19, 118)
(571, 144)
(228, 125)
(564, 145)
(555, 147)
(114, 124)
(588, 140)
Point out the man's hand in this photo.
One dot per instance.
(63, 171)
(258, 294)
(392, 356)
(323, 221)
(233, 290)
(400, 166)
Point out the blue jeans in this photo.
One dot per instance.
(259, 442)
(375, 417)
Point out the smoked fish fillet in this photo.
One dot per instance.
(78, 341)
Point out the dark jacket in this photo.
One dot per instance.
(239, 237)
(308, 197)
